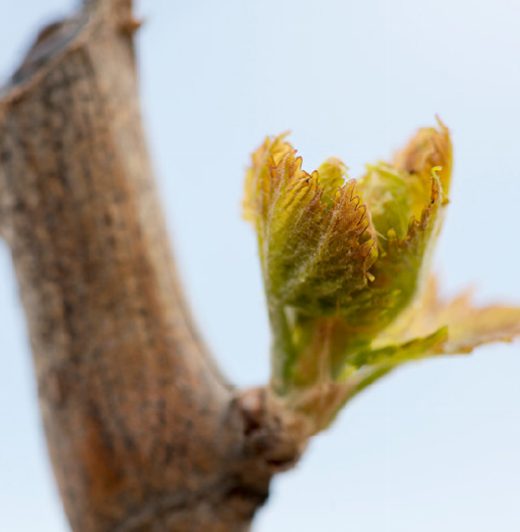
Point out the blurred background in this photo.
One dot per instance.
(435, 446)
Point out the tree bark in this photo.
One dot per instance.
(143, 431)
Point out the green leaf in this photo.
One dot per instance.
(394, 355)
(315, 237)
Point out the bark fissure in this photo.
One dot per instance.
(143, 431)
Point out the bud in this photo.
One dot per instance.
(344, 264)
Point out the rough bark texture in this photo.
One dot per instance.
(143, 431)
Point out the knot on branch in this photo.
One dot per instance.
(271, 431)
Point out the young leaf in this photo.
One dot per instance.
(468, 325)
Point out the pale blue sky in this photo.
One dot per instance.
(437, 445)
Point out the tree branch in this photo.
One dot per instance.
(143, 431)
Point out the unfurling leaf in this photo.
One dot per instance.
(344, 264)
(315, 238)
(467, 325)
